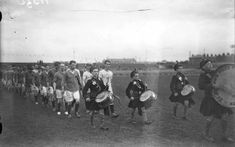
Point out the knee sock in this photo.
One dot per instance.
(140, 111)
(76, 107)
(66, 106)
(59, 107)
(53, 104)
(69, 108)
(174, 110)
(36, 98)
(111, 108)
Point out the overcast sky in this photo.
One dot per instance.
(91, 30)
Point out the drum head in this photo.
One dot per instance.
(187, 90)
(102, 96)
(223, 83)
(147, 94)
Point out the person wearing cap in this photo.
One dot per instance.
(107, 75)
(209, 108)
(96, 86)
(178, 81)
(133, 91)
(44, 83)
(85, 77)
(10, 79)
(59, 86)
(51, 90)
(21, 81)
(72, 87)
(29, 80)
(15, 79)
(36, 86)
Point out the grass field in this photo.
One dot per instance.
(27, 124)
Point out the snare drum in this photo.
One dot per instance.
(103, 99)
(187, 90)
(147, 98)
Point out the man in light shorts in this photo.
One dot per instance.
(59, 86)
(71, 85)
(51, 90)
(44, 85)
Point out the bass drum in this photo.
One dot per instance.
(223, 83)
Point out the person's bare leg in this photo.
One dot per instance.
(186, 106)
(102, 117)
(224, 126)
(146, 121)
(209, 123)
(132, 115)
(175, 110)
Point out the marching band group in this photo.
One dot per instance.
(64, 85)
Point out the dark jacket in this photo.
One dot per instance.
(178, 81)
(96, 86)
(135, 89)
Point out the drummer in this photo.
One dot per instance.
(134, 90)
(107, 75)
(95, 86)
(209, 107)
(85, 77)
(178, 81)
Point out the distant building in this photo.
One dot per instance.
(218, 59)
(194, 60)
(122, 60)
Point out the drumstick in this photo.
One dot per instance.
(119, 100)
(115, 96)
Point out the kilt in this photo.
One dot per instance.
(181, 99)
(135, 103)
(93, 105)
(209, 107)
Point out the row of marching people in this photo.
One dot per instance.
(64, 86)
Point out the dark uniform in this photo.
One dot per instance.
(51, 75)
(135, 89)
(29, 79)
(37, 79)
(44, 79)
(209, 106)
(96, 86)
(178, 81)
(59, 79)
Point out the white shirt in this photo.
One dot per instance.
(79, 74)
(86, 76)
(107, 76)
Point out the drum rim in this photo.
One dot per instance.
(152, 93)
(213, 81)
(191, 86)
(98, 100)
